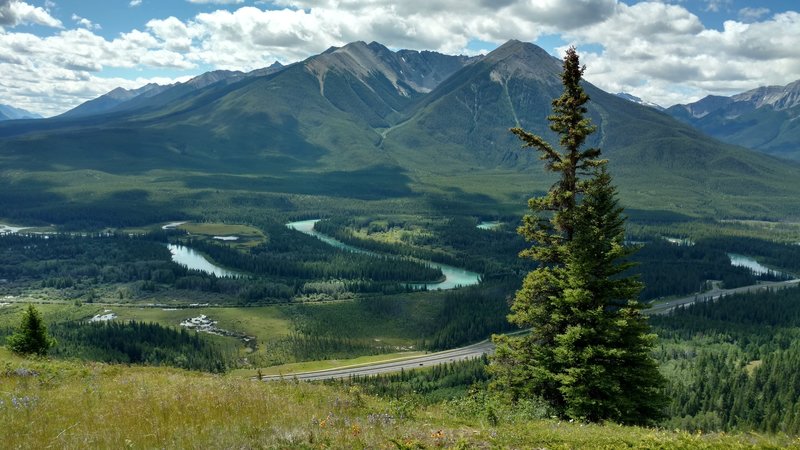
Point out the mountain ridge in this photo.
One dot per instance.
(8, 112)
(368, 121)
(764, 118)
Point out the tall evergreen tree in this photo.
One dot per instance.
(588, 352)
(31, 336)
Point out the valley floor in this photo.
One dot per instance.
(87, 405)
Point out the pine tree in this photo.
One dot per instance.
(31, 336)
(588, 352)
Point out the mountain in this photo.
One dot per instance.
(107, 102)
(461, 127)
(11, 113)
(764, 119)
(121, 99)
(635, 99)
(318, 114)
(362, 121)
(153, 95)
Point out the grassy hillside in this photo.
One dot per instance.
(73, 405)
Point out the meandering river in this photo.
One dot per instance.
(750, 263)
(453, 276)
(189, 258)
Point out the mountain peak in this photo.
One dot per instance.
(515, 48)
(408, 71)
(269, 70)
(523, 59)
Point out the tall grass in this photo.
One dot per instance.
(47, 404)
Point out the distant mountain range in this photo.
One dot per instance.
(152, 95)
(11, 113)
(363, 121)
(765, 119)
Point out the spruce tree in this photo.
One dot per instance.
(588, 352)
(31, 336)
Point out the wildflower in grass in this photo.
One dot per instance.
(23, 402)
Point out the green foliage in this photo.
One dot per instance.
(433, 320)
(31, 337)
(140, 343)
(671, 269)
(148, 407)
(432, 385)
(305, 257)
(588, 351)
(77, 265)
(733, 364)
(452, 240)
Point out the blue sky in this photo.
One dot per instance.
(55, 54)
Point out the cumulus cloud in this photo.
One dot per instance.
(663, 53)
(134, 3)
(563, 17)
(54, 73)
(14, 12)
(86, 23)
(174, 34)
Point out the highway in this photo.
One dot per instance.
(486, 347)
(429, 360)
(669, 305)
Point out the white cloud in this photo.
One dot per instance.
(717, 5)
(14, 12)
(134, 3)
(174, 34)
(752, 14)
(86, 23)
(663, 53)
(656, 50)
(563, 16)
(52, 74)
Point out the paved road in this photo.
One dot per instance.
(486, 347)
(429, 360)
(665, 307)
